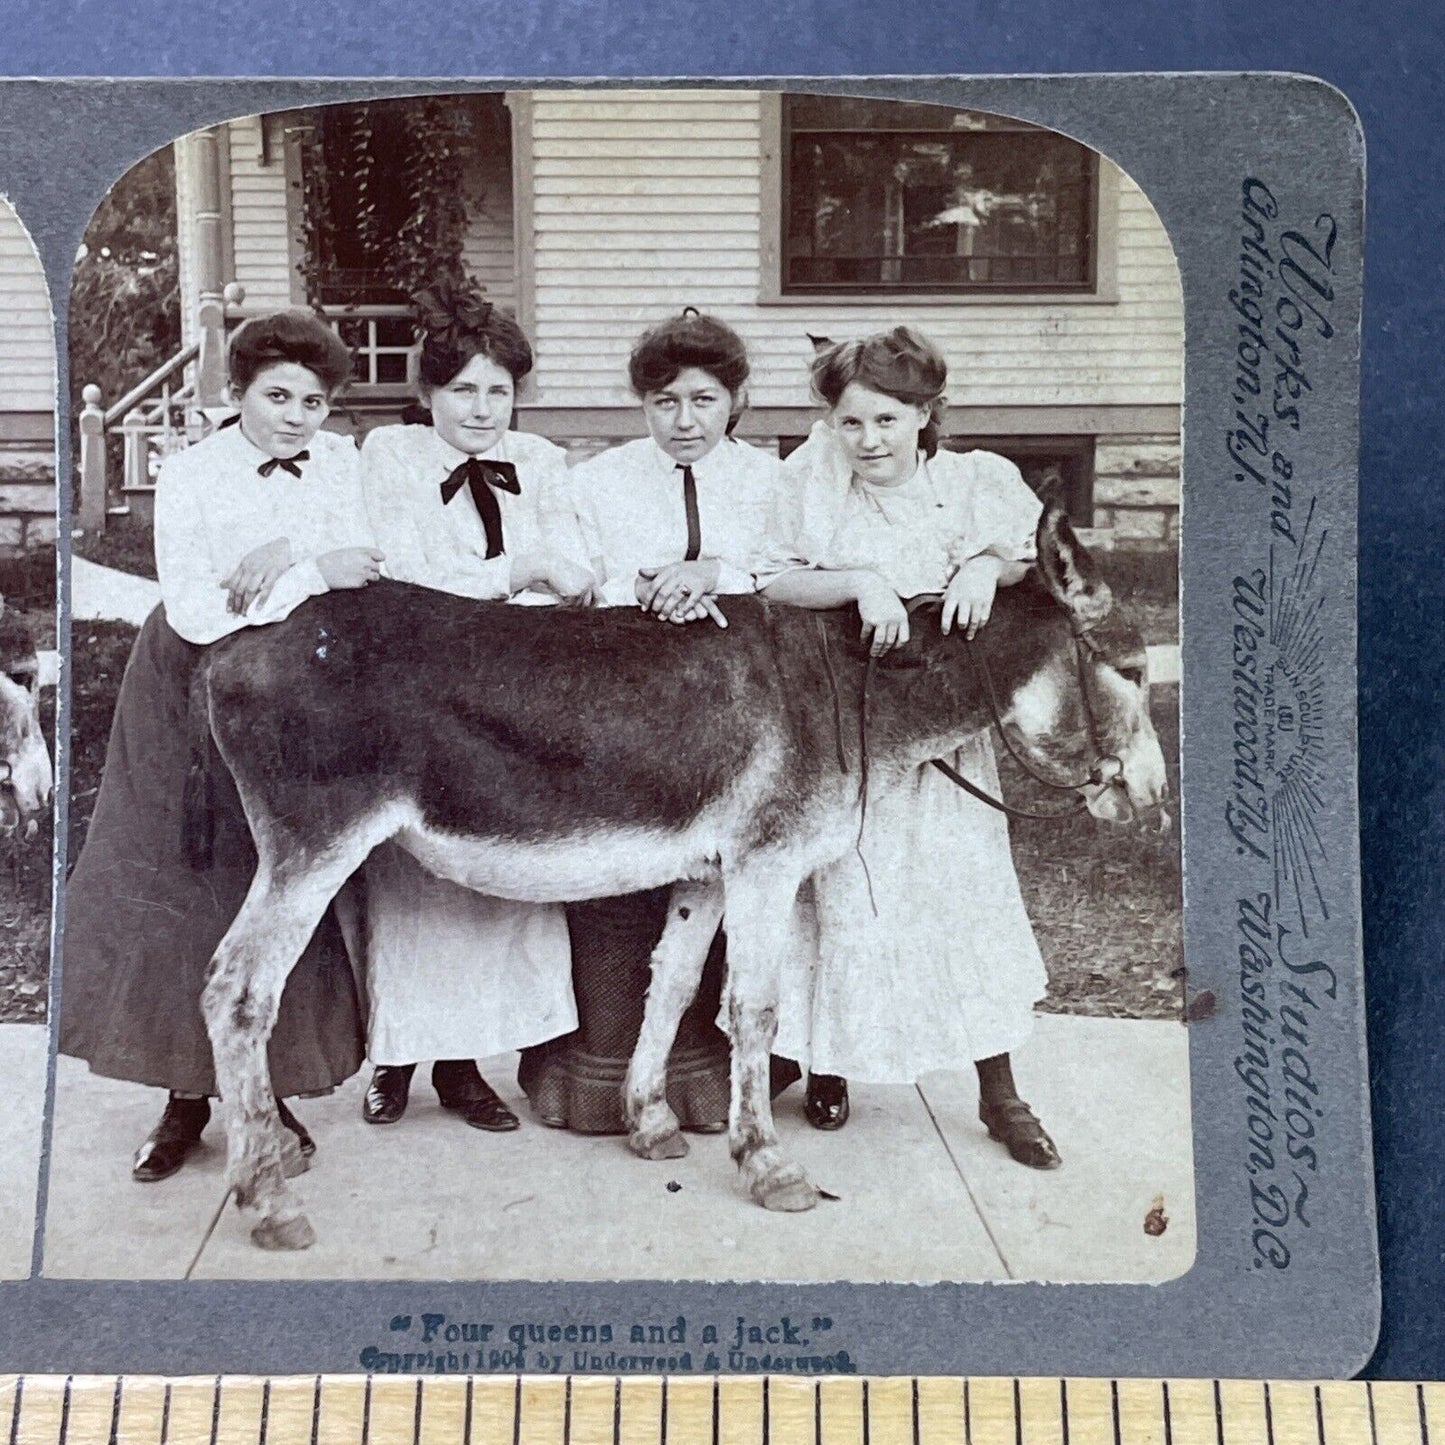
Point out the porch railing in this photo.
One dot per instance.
(160, 415)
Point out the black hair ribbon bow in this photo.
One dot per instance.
(287, 464)
(479, 478)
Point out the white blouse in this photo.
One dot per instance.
(956, 506)
(630, 504)
(444, 546)
(213, 506)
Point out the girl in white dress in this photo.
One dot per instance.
(946, 971)
(467, 506)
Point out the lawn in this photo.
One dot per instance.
(1104, 899)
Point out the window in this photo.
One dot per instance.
(885, 196)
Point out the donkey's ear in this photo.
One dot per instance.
(1069, 572)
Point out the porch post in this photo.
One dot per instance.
(205, 152)
(92, 463)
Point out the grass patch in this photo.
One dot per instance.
(1106, 900)
(127, 544)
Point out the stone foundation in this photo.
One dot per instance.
(27, 500)
(1136, 490)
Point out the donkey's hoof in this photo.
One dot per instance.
(658, 1146)
(784, 1190)
(293, 1233)
(793, 1197)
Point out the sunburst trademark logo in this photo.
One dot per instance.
(1273, 812)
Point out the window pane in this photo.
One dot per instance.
(1002, 210)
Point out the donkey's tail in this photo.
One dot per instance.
(198, 799)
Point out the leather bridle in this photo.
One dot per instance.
(1107, 770)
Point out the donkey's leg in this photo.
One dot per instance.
(758, 904)
(693, 914)
(242, 997)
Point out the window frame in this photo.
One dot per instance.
(772, 250)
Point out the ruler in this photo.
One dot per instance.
(702, 1410)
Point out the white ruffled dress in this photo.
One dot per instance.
(947, 970)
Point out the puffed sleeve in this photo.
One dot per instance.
(1003, 511)
(388, 509)
(806, 506)
(347, 522)
(557, 510)
(196, 603)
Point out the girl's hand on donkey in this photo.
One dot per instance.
(255, 575)
(969, 597)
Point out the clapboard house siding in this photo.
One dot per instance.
(27, 393)
(27, 357)
(645, 203)
(260, 223)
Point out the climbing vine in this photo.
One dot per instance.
(386, 191)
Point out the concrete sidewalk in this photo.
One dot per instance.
(923, 1193)
(22, 1067)
(101, 594)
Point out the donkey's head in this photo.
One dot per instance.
(1085, 713)
(26, 780)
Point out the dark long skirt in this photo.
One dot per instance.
(576, 1081)
(141, 925)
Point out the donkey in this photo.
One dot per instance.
(559, 755)
(26, 779)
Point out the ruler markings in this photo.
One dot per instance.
(566, 1410)
(113, 1435)
(15, 1410)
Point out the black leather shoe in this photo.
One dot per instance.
(172, 1141)
(385, 1100)
(462, 1089)
(826, 1106)
(304, 1140)
(1017, 1128)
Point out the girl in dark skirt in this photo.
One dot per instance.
(250, 522)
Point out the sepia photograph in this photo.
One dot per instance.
(624, 701)
(29, 670)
